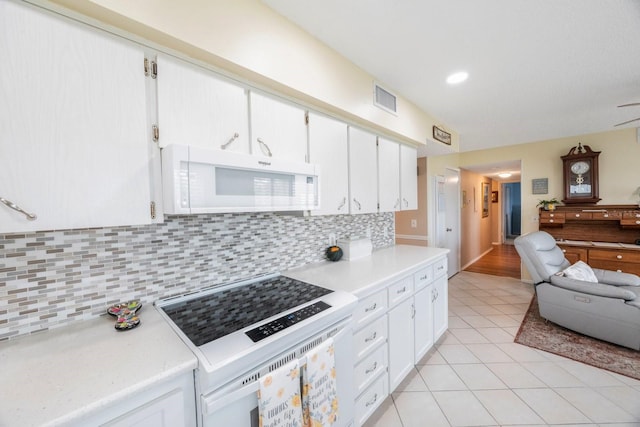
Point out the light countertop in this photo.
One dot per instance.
(56, 377)
(364, 276)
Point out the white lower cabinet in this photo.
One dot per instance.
(401, 326)
(371, 382)
(394, 328)
(167, 404)
(440, 306)
(423, 322)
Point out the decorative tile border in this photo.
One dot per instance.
(48, 279)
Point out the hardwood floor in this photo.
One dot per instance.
(503, 260)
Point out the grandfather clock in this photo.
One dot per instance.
(580, 173)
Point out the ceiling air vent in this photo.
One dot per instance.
(384, 99)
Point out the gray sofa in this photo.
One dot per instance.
(608, 310)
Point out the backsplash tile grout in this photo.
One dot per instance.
(48, 279)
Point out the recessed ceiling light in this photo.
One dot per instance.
(458, 77)
(504, 175)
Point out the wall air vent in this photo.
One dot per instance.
(384, 99)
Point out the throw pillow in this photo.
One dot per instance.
(581, 271)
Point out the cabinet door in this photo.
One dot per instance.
(408, 178)
(388, 175)
(74, 142)
(573, 254)
(401, 351)
(328, 148)
(278, 129)
(196, 107)
(166, 411)
(363, 175)
(440, 307)
(423, 322)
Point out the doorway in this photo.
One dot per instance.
(511, 211)
(446, 229)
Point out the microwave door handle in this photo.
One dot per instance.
(214, 403)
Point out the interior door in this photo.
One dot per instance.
(448, 211)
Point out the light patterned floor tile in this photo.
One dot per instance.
(514, 375)
(507, 408)
(462, 408)
(594, 406)
(478, 377)
(441, 378)
(550, 406)
(419, 410)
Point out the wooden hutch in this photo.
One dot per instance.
(603, 236)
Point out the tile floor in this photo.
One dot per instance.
(477, 376)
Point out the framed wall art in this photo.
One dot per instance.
(485, 199)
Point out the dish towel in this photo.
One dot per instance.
(319, 396)
(279, 399)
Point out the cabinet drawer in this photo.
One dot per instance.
(614, 255)
(624, 267)
(578, 215)
(369, 308)
(370, 368)
(552, 218)
(423, 277)
(370, 337)
(440, 268)
(607, 216)
(400, 290)
(371, 399)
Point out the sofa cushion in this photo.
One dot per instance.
(580, 271)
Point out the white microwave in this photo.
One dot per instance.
(200, 180)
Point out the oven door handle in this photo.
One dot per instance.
(216, 402)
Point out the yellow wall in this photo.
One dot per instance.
(475, 231)
(618, 164)
(249, 41)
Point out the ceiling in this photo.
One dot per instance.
(537, 69)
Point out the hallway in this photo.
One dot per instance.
(502, 260)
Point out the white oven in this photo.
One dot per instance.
(242, 331)
(236, 403)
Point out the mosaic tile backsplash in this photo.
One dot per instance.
(48, 279)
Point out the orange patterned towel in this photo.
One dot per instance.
(320, 399)
(279, 399)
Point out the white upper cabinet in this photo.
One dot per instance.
(363, 174)
(328, 148)
(278, 129)
(198, 108)
(75, 148)
(388, 175)
(408, 178)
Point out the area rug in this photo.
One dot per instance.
(538, 333)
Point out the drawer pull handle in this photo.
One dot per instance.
(401, 291)
(371, 338)
(372, 401)
(373, 307)
(371, 369)
(619, 256)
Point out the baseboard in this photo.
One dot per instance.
(476, 259)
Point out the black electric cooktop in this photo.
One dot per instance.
(219, 313)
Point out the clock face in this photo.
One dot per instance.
(580, 168)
